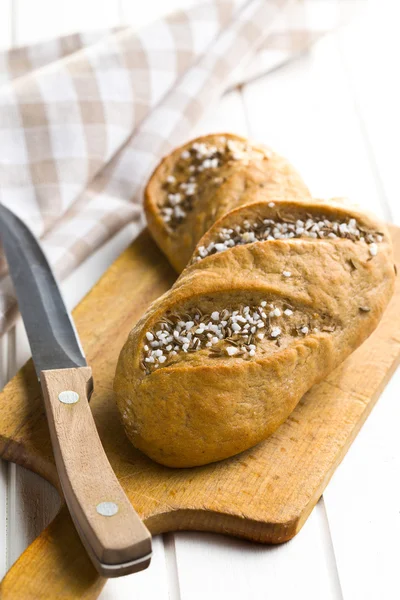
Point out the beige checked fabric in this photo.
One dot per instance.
(85, 118)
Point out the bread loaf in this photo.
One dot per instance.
(276, 294)
(204, 179)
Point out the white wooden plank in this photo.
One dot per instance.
(151, 584)
(212, 566)
(31, 501)
(370, 47)
(11, 468)
(5, 24)
(33, 504)
(20, 347)
(43, 19)
(363, 505)
(228, 116)
(363, 497)
(172, 566)
(3, 469)
(3, 517)
(305, 111)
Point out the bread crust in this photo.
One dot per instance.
(200, 408)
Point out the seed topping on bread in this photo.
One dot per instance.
(283, 228)
(199, 165)
(227, 332)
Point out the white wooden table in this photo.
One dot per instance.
(335, 114)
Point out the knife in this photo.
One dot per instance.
(114, 536)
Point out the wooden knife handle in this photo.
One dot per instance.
(114, 536)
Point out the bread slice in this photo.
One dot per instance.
(276, 295)
(206, 178)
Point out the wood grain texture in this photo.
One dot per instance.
(87, 479)
(264, 494)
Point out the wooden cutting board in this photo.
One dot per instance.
(264, 494)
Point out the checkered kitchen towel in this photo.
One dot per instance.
(85, 118)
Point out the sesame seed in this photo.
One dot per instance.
(275, 332)
(304, 330)
(286, 273)
(174, 199)
(271, 204)
(373, 249)
(231, 350)
(288, 312)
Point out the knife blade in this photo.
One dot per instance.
(115, 538)
(52, 336)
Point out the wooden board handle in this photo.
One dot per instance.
(114, 536)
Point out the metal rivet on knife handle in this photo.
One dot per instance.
(107, 509)
(68, 397)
